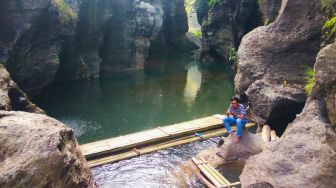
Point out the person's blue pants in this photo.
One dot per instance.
(237, 121)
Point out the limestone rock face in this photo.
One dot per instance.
(306, 153)
(12, 97)
(272, 60)
(58, 40)
(31, 39)
(270, 9)
(38, 151)
(226, 23)
(202, 8)
(325, 80)
(127, 47)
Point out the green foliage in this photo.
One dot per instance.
(196, 32)
(212, 3)
(66, 14)
(328, 6)
(232, 55)
(267, 21)
(330, 25)
(310, 79)
(187, 5)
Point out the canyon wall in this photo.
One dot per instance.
(59, 40)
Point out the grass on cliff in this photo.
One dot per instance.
(329, 26)
(196, 33)
(212, 3)
(329, 30)
(66, 14)
(232, 55)
(310, 79)
(328, 6)
(188, 4)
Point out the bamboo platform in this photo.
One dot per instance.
(123, 147)
(215, 178)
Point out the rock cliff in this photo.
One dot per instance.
(32, 37)
(59, 40)
(272, 61)
(269, 9)
(12, 97)
(306, 153)
(226, 22)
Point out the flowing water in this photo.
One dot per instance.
(173, 89)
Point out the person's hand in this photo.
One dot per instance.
(241, 116)
(228, 113)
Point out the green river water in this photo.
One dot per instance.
(173, 89)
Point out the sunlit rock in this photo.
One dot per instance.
(38, 151)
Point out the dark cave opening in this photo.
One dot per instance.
(282, 115)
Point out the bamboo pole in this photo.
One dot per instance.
(207, 173)
(266, 133)
(231, 185)
(204, 180)
(273, 135)
(226, 181)
(214, 175)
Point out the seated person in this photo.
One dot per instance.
(236, 114)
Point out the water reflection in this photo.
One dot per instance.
(193, 84)
(118, 104)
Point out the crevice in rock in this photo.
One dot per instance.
(20, 102)
(282, 115)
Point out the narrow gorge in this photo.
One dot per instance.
(80, 71)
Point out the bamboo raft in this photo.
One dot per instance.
(132, 145)
(216, 179)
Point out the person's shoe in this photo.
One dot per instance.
(237, 139)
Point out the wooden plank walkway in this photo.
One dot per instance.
(126, 154)
(122, 147)
(148, 136)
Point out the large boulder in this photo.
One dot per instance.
(306, 153)
(38, 151)
(272, 61)
(249, 145)
(226, 23)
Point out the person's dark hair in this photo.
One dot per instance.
(234, 98)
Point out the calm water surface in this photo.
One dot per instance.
(172, 90)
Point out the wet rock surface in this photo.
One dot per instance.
(38, 151)
(305, 154)
(272, 60)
